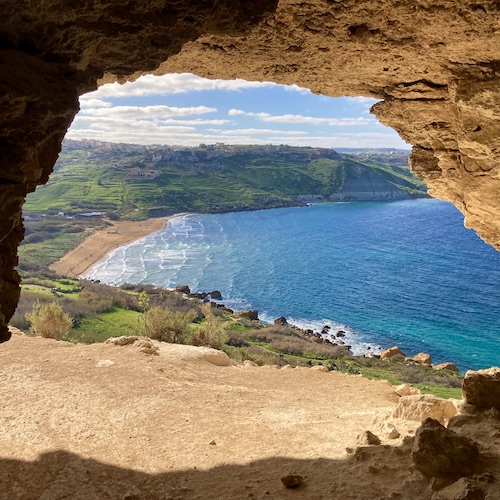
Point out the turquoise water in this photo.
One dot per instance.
(405, 273)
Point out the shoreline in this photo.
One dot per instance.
(103, 241)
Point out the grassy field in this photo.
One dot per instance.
(125, 182)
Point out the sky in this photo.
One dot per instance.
(184, 109)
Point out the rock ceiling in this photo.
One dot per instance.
(435, 65)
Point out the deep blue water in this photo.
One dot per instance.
(405, 273)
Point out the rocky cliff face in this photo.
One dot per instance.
(435, 65)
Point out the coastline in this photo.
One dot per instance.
(103, 241)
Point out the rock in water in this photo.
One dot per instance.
(482, 388)
(439, 452)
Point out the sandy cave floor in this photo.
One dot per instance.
(105, 421)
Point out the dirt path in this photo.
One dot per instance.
(100, 243)
(105, 421)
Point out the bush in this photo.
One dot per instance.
(167, 325)
(211, 333)
(49, 321)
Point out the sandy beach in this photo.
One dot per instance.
(100, 243)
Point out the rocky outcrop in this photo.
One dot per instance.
(446, 366)
(393, 353)
(482, 388)
(434, 65)
(443, 454)
(419, 407)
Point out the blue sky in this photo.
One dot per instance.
(187, 110)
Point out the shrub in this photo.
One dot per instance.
(167, 325)
(211, 333)
(49, 321)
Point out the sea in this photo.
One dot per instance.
(404, 273)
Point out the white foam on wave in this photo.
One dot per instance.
(359, 346)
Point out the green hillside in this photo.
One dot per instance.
(132, 181)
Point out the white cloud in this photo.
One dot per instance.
(175, 83)
(148, 112)
(256, 131)
(93, 103)
(309, 120)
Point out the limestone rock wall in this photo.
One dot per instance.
(434, 63)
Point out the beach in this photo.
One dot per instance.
(101, 242)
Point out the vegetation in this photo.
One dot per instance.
(95, 312)
(128, 181)
(49, 321)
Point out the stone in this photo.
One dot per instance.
(406, 390)
(439, 452)
(216, 294)
(292, 481)
(441, 95)
(463, 489)
(446, 366)
(393, 353)
(320, 368)
(422, 406)
(390, 431)
(482, 388)
(183, 289)
(368, 439)
(281, 321)
(422, 358)
(253, 314)
(248, 363)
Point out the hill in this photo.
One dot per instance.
(132, 181)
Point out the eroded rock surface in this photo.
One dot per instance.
(482, 388)
(434, 64)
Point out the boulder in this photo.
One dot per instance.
(215, 294)
(320, 368)
(183, 289)
(482, 388)
(422, 406)
(253, 314)
(446, 366)
(439, 452)
(281, 321)
(422, 358)
(393, 353)
(406, 390)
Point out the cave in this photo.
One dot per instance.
(434, 65)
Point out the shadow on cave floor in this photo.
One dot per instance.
(369, 473)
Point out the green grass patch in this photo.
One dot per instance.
(110, 324)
